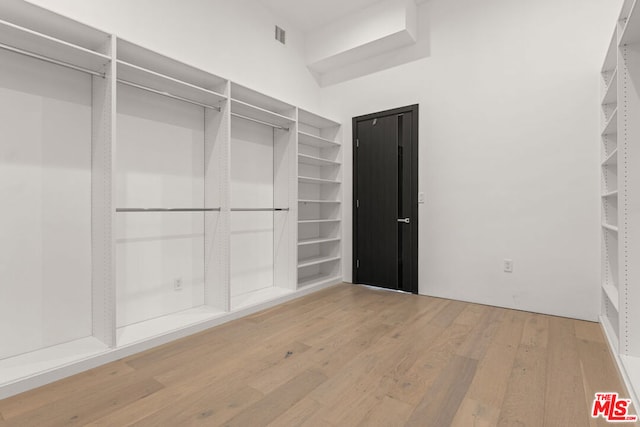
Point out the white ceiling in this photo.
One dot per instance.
(308, 15)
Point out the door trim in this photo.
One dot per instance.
(414, 109)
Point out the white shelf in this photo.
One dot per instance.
(316, 141)
(611, 94)
(316, 161)
(610, 194)
(52, 48)
(314, 120)
(319, 201)
(610, 227)
(612, 159)
(318, 279)
(611, 60)
(612, 294)
(611, 128)
(631, 31)
(318, 240)
(261, 101)
(257, 297)
(25, 365)
(309, 180)
(318, 221)
(258, 113)
(160, 82)
(137, 332)
(308, 262)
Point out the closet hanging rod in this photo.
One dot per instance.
(51, 60)
(240, 116)
(168, 210)
(167, 94)
(258, 209)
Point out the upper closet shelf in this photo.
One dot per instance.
(610, 95)
(631, 32)
(249, 104)
(314, 120)
(243, 110)
(166, 85)
(315, 141)
(24, 41)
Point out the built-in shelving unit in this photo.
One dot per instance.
(319, 200)
(168, 114)
(182, 200)
(620, 172)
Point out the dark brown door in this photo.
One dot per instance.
(385, 228)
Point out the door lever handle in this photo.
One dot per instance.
(405, 220)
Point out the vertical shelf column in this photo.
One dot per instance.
(102, 201)
(319, 200)
(629, 141)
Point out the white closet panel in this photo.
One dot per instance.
(251, 187)
(45, 187)
(160, 164)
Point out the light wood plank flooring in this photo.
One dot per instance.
(346, 356)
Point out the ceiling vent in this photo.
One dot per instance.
(280, 35)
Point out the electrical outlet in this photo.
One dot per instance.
(177, 284)
(508, 266)
(421, 197)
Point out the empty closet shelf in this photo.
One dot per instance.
(259, 209)
(314, 221)
(612, 159)
(165, 85)
(611, 128)
(168, 210)
(41, 46)
(168, 95)
(316, 161)
(610, 95)
(612, 294)
(610, 194)
(315, 141)
(317, 279)
(246, 111)
(631, 32)
(308, 262)
(318, 240)
(309, 180)
(610, 227)
(318, 201)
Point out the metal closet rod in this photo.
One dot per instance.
(167, 94)
(251, 119)
(258, 209)
(51, 60)
(168, 210)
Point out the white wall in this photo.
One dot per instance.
(509, 156)
(233, 39)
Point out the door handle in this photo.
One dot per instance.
(405, 220)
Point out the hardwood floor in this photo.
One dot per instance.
(346, 356)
